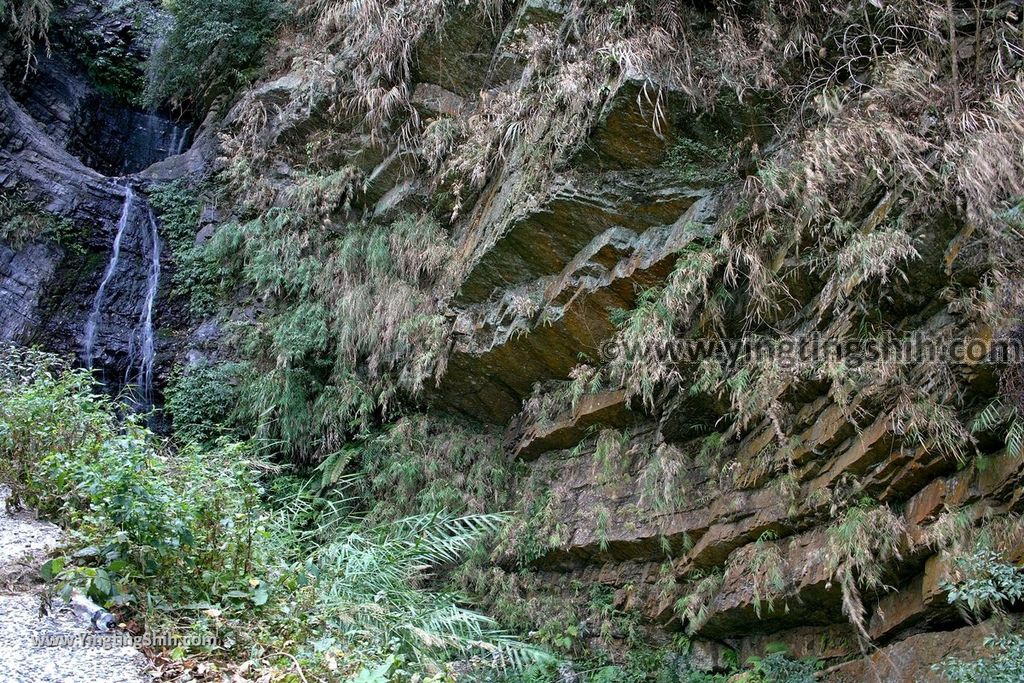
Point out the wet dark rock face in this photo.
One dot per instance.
(68, 149)
(102, 132)
(68, 303)
(47, 290)
(23, 274)
(39, 171)
(119, 142)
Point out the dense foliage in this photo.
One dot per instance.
(986, 584)
(196, 274)
(200, 400)
(27, 21)
(211, 50)
(207, 538)
(897, 135)
(348, 320)
(1004, 666)
(198, 538)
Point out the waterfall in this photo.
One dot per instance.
(179, 139)
(119, 337)
(141, 346)
(141, 340)
(89, 337)
(172, 148)
(183, 141)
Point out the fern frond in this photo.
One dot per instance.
(333, 467)
(1015, 438)
(991, 416)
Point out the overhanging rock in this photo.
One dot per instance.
(540, 331)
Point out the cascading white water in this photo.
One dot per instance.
(141, 343)
(119, 336)
(183, 140)
(153, 282)
(89, 336)
(175, 143)
(179, 138)
(140, 361)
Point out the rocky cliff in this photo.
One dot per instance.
(518, 220)
(72, 142)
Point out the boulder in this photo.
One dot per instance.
(911, 660)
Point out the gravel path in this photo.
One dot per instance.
(23, 540)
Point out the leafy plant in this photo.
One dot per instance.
(350, 319)
(860, 543)
(779, 667)
(985, 582)
(211, 50)
(766, 566)
(601, 527)
(201, 398)
(1002, 666)
(420, 463)
(22, 222)
(197, 275)
(996, 414)
(190, 535)
(117, 73)
(148, 531)
(365, 590)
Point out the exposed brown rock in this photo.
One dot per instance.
(500, 351)
(740, 517)
(866, 448)
(565, 431)
(826, 643)
(808, 597)
(579, 208)
(911, 660)
(900, 609)
(457, 55)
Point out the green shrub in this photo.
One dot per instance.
(189, 537)
(984, 583)
(114, 74)
(196, 274)
(201, 400)
(213, 48)
(44, 409)
(778, 667)
(152, 525)
(419, 463)
(378, 566)
(349, 314)
(1004, 666)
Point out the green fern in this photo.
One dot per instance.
(1015, 437)
(990, 417)
(333, 467)
(367, 588)
(996, 414)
